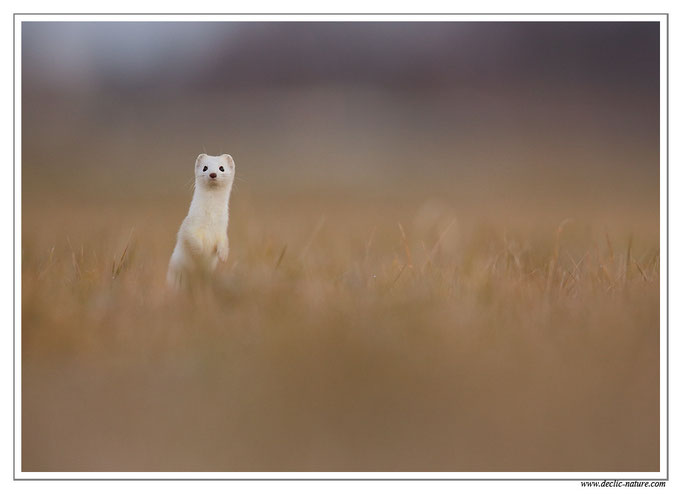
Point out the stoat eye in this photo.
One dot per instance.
(205, 168)
(222, 169)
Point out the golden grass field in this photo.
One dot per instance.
(347, 332)
(414, 284)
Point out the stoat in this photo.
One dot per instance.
(202, 238)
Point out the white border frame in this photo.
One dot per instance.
(662, 19)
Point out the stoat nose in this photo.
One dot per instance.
(213, 175)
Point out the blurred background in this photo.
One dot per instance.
(489, 115)
(444, 246)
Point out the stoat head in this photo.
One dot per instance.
(214, 172)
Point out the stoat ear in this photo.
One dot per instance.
(199, 159)
(228, 159)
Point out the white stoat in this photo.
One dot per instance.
(202, 238)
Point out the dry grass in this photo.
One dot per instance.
(341, 335)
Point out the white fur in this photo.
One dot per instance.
(202, 239)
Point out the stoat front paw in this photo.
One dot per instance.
(223, 251)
